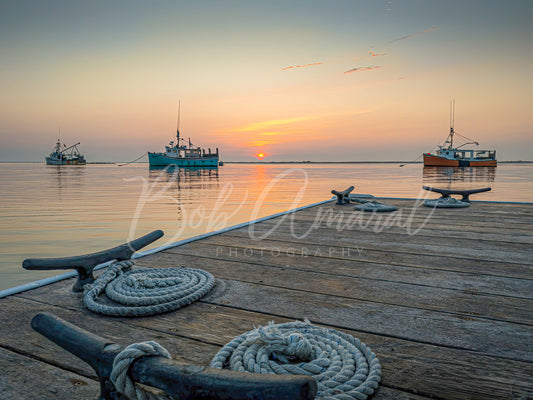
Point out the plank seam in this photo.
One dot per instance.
(396, 251)
(363, 277)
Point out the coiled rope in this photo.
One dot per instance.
(145, 291)
(446, 202)
(374, 206)
(344, 368)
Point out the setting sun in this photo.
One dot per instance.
(260, 155)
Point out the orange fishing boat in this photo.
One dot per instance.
(449, 156)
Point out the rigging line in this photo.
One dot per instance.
(466, 137)
(131, 162)
(416, 159)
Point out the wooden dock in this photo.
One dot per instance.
(444, 297)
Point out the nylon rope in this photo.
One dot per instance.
(145, 291)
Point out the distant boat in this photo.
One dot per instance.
(184, 155)
(66, 156)
(449, 156)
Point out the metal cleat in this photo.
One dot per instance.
(465, 193)
(177, 379)
(85, 264)
(343, 197)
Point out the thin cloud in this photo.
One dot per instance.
(358, 69)
(267, 124)
(300, 66)
(413, 35)
(371, 54)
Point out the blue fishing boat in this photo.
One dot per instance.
(183, 155)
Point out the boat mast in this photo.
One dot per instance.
(178, 125)
(452, 121)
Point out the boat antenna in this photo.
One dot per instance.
(58, 144)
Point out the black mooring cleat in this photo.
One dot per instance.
(85, 264)
(179, 380)
(465, 193)
(343, 197)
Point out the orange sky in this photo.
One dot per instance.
(359, 81)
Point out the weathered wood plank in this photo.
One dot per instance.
(416, 208)
(286, 255)
(406, 225)
(302, 231)
(235, 239)
(171, 330)
(459, 216)
(448, 318)
(403, 362)
(17, 313)
(504, 252)
(30, 379)
(380, 225)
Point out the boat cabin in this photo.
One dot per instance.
(466, 154)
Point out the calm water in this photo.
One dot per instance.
(50, 211)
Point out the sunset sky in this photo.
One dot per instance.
(292, 80)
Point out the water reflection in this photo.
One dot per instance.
(183, 189)
(71, 176)
(189, 172)
(200, 177)
(459, 178)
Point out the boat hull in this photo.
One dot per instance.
(51, 161)
(161, 160)
(431, 160)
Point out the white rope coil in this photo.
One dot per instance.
(446, 202)
(146, 291)
(344, 368)
(375, 206)
(121, 365)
